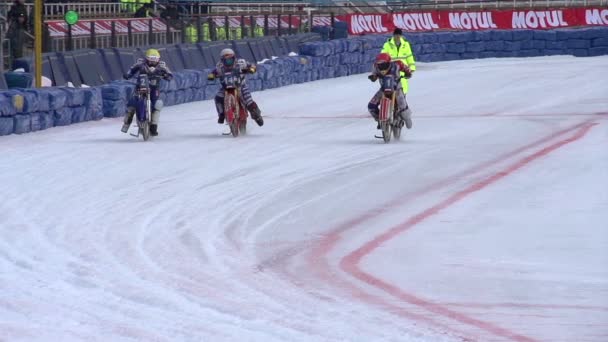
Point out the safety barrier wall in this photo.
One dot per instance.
(26, 110)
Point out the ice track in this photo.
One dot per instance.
(487, 223)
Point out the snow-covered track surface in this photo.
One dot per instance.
(487, 222)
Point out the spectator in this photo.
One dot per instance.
(17, 36)
(191, 32)
(144, 11)
(17, 10)
(170, 12)
(171, 15)
(399, 49)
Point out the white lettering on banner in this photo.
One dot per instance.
(415, 21)
(367, 24)
(596, 17)
(472, 20)
(358, 27)
(536, 19)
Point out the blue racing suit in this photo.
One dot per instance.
(155, 73)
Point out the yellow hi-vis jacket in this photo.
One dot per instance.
(191, 34)
(403, 53)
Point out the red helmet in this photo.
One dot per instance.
(383, 62)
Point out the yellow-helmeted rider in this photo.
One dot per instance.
(156, 70)
(399, 49)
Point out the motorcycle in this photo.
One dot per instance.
(143, 108)
(390, 122)
(234, 109)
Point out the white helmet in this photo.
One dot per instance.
(227, 57)
(227, 52)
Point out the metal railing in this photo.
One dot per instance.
(115, 9)
(119, 41)
(85, 9)
(199, 28)
(238, 7)
(99, 9)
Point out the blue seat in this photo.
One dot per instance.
(243, 50)
(59, 70)
(112, 63)
(207, 59)
(192, 57)
(258, 53)
(177, 61)
(27, 63)
(267, 47)
(126, 58)
(90, 67)
(18, 80)
(277, 48)
(292, 43)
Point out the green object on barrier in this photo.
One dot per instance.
(71, 17)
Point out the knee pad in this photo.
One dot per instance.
(159, 105)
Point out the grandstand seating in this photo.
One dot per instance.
(100, 66)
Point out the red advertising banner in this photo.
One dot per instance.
(476, 20)
(58, 28)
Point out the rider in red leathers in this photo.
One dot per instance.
(229, 64)
(385, 66)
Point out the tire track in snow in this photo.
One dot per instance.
(351, 263)
(322, 249)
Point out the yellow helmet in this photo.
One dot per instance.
(153, 56)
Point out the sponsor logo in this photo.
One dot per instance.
(367, 24)
(415, 21)
(538, 19)
(472, 20)
(596, 17)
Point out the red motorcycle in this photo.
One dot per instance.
(390, 122)
(234, 109)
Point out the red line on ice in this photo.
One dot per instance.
(440, 116)
(317, 258)
(527, 306)
(351, 262)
